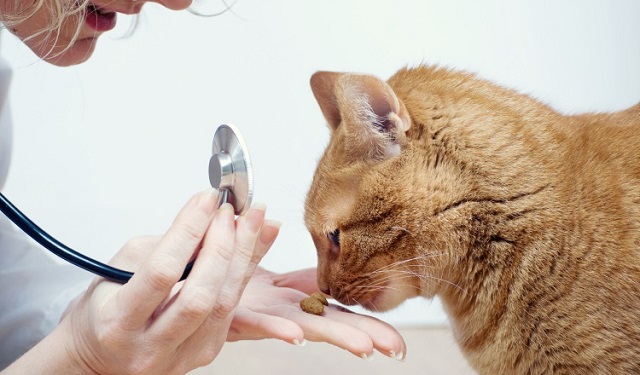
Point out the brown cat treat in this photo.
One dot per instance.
(320, 297)
(312, 306)
(523, 221)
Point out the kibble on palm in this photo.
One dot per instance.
(314, 304)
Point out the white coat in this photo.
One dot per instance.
(35, 288)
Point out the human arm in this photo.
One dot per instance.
(155, 324)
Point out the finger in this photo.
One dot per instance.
(325, 329)
(303, 280)
(199, 295)
(268, 235)
(151, 284)
(246, 256)
(386, 339)
(254, 236)
(251, 325)
(216, 325)
(247, 253)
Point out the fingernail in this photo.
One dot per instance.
(259, 206)
(267, 236)
(368, 357)
(296, 342)
(255, 216)
(226, 207)
(398, 356)
(273, 223)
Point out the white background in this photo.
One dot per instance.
(113, 148)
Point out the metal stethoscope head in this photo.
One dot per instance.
(229, 171)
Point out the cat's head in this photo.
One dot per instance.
(363, 210)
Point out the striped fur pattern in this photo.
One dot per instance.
(524, 221)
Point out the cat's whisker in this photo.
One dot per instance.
(401, 267)
(512, 213)
(392, 265)
(428, 277)
(371, 288)
(404, 261)
(368, 288)
(405, 274)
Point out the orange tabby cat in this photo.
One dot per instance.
(525, 222)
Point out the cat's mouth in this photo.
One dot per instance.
(372, 304)
(345, 299)
(370, 300)
(376, 294)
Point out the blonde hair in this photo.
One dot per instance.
(226, 8)
(14, 12)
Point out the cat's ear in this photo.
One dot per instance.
(374, 121)
(323, 85)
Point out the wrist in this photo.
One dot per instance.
(54, 354)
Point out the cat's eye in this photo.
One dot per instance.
(334, 237)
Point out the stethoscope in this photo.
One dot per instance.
(229, 171)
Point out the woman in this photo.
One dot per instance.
(155, 324)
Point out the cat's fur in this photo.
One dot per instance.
(524, 221)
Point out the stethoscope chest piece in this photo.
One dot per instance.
(230, 169)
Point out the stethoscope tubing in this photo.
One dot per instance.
(63, 251)
(233, 177)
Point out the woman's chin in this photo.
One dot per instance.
(79, 52)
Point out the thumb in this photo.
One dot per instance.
(304, 280)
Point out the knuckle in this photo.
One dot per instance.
(187, 232)
(246, 252)
(223, 250)
(164, 274)
(224, 306)
(196, 302)
(255, 258)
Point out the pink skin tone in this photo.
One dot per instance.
(64, 50)
(158, 325)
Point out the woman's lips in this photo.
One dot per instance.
(100, 20)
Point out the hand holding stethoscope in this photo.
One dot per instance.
(229, 171)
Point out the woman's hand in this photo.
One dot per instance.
(270, 308)
(155, 324)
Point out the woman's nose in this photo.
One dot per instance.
(173, 4)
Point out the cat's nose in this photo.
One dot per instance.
(323, 278)
(323, 285)
(325, 290)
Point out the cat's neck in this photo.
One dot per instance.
(535, 222)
